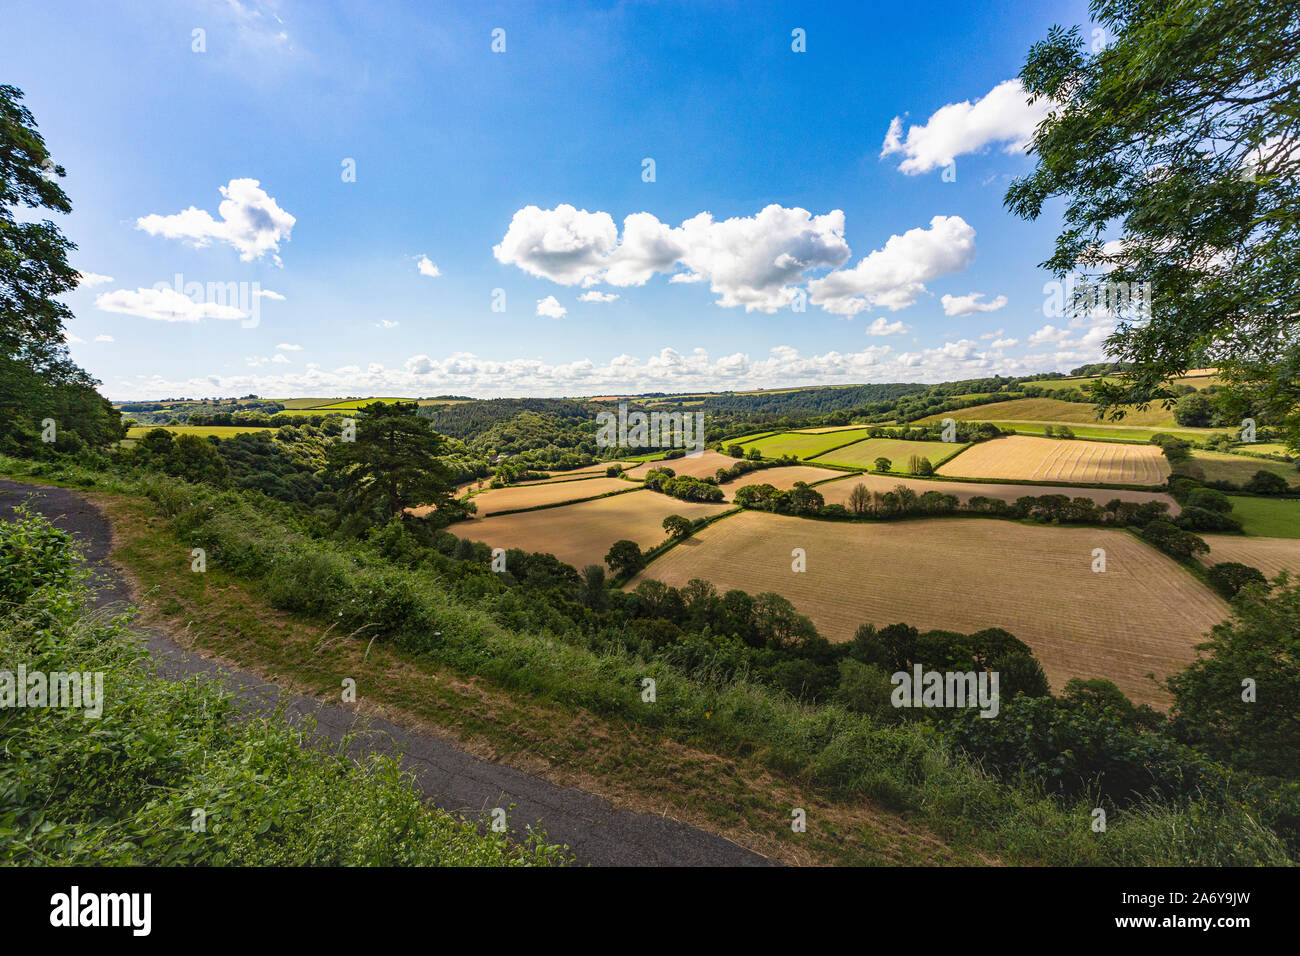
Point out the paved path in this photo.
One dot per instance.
(597, 833)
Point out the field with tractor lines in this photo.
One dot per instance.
(837, 492)
(1046, 459)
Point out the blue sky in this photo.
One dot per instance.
(516, 171)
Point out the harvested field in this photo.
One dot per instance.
(837, 492)
(1270, 555)
(705, 465)
(825, 429)
(864, 453)
(1238, 469)
(203, 431)
(586, 471)
(780, 478)
(1047, 459)
(580, 534)
(805, 444)
(545, 493)
(1051, 410)
(1144, 614)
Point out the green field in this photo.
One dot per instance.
(864, 453)
(1239, 469)
(220, 431)
(803, 445)
(1267, 517)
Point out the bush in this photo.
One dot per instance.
(1229, 577)
(1267, 483)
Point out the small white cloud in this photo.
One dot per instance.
(1048, 334)
(1003, 343)
(251, 221)
(76, 339)
(103, 338)
(94, 278)
(164, 305)
(268, 294)
(884, 327)
(598, 296)
(551, 308)
(967, 304)
(288, 347)
(385, 324)
(427, 268)
(280, 359)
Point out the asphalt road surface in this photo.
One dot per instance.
(596, 833)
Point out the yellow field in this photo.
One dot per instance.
(837, 492)
(580, 534)
(1047, 459)
(780, 478)
(1051, 410)
(203, 431)
(492, 500)
(1239, 469)
(1270, 555)
(1144, 614)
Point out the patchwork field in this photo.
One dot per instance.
(1270, 555)
(864, 453)
(837, 492)
(580, 534)
(1267, 517)
(203, 431)
(1144, 614)
(1108, 432)
(781, 478)
(1239, 469)
(704, 465)
(1052, 410)
(1046, 459)
(534, 494)
(805, 444)
(587, 471)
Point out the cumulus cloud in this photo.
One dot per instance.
(1004, 343)
(967, 304)
(1048, 334)
(894, 276)
(164, 305)
(1002, 116)
(427, 268)
(750, 261)
(251, 221)
(288, 347)
(883, 326)
(551, 308)
(595, 296)
(89, 279)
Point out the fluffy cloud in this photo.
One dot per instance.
(89, 279)
(883, 326)
(750, 261)
(1048, 334)
(595, 296)
(894, 276)
(164, 305)
(288, 347)
(251, 221)
(551, 308)
(427, 268)
(967, 304)
(1002, 116)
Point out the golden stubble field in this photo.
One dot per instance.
(1144, 614)
(1049, 459)
(782, 479)
(1270, 555)
(704, 465)
(837, 492)
(580, 534)
(531, 495)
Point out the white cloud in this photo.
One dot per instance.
(102, 337)
(1004, 343)
(89, 279)
(251, 221)
(883, 326)
(76, 339)
(551, 308)
(894, 276)
(287, 347)
(268, 294)
(1049, 334)
(427, 268)
(280, 359)
(750, 261)
(966, 304)
(595, 296)
(385, 324)
(1002, 116)
(164, 305)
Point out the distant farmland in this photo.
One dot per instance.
(781, 478)
(1238, 469)
(1053, 410)
(805, 444)
(1045, 459)
(1143, 614)
(203, 431)
(1270, 555)
(837, 492)
(864, 453)
(580, 534)
(493, 500)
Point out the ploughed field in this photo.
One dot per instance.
(837, 492)
(1143, 614)
(864, 453)
(580, 534)
(1020, 457)
(1270, 555)
(492, 500)
(703, 465)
